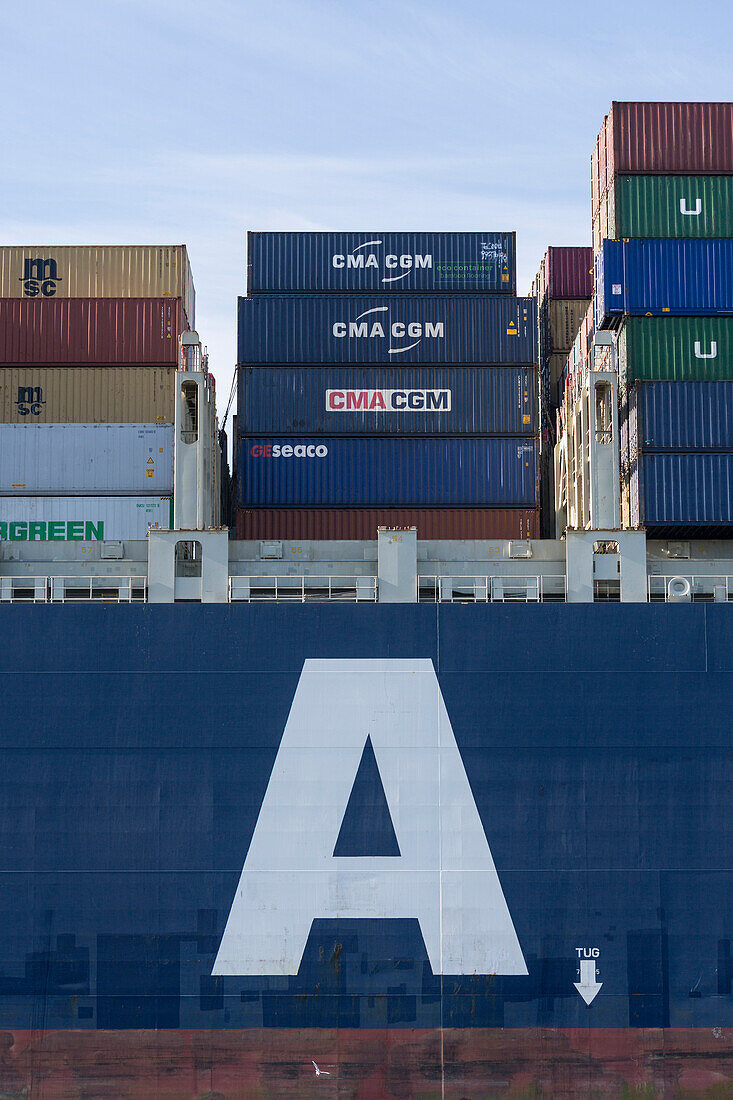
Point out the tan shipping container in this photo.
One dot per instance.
(563, 317)
(87, 395)
(98, 271)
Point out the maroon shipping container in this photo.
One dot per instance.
(565, 273)
(99, 331)
(662, 139)
(362, 523)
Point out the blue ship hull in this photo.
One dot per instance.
(138, 744)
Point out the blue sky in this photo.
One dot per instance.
(165, 120)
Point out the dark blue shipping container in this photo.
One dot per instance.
(680, 491)
(387, 401)
(658, 277)
(396, 330)
(680, 416)
(364, 472)
(373, 262)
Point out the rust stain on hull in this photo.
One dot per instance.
(467, 1064)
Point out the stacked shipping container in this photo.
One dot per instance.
(88, 353)
(386, 379)
(662, 186)
(563, 288)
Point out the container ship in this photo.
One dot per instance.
(432, 798)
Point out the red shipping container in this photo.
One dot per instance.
(662, 139)
(565, 273)
(99, 331)
(362, 523)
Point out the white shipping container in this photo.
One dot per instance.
(77, 459)
(82, 519)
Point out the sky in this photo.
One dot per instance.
(171, 121)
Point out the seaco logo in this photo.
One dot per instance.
(376, 324)
(40, 278)
(360, 260)
(288, 450)
(388, 401)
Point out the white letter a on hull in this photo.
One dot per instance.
(444, 874)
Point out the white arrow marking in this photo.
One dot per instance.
(588, 987)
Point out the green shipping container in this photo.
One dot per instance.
(676, 349)
(665, 206)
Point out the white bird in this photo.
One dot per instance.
(319, 1071)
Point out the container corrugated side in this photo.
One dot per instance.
(663, 277)
(680, 416)
(82, 519)
(92, 459)
(362, 523)
(87, 395)
(90, 331)
(569, 272)
(387, 400)
(682, 349)
(560, 320)
(681, 491)
(663, 138)
(665, 206)
(388, 472)
(406, 330)
(97, 271)
(381, 262)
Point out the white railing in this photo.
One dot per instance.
(542, 588)
(73, 589)
(302, 589)
(690, 587)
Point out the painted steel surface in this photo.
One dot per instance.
(681, 491)
(97, 271)
(662, 277)
(682, 349)
(362, 523)
(665, 206)
(565, 273)
(90, 331)
(560, 320)
(381, 262)
(387, 472)
(387, 401)
(680, 416)
(87, 395)
(380, 1064)
(397, 330)
(81, 519)
(662, 138)
(86, 459)
(608, 831)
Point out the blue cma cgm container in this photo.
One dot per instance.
(387, 401)
(369, 262)
(658, 277)
(397, 330)
(680, 416)
(365, 472)
(675, 493)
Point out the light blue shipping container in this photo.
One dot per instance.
(660, 277)
(381, 262)
(396, 472)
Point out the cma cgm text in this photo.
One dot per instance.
(288, 450)
(398, 329)
(388, 400)
(361, 261)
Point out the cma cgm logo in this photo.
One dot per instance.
(306, 862)
(375, 324)
(40, 278)
(388, 400)
(288, 450)
(359, 260)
